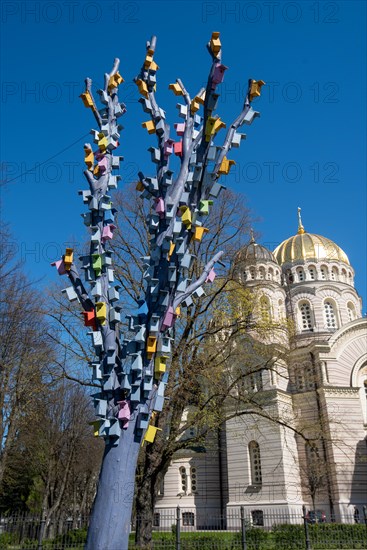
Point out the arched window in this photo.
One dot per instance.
(265, 309)
(280, 309)
(255, 463)
(252, 273)
(300, 274)
(261, 273)
(334, 274)
(312, 272)
(305, 316)
(344, 276)
(323, 272)
(270, 274)
(193, 475)
(351, 311)
(350, 280)
(183, 480)
(330, 315)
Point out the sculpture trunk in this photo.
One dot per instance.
(109, 526)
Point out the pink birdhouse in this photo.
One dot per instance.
(178, 148)
(169, 318)
(210, 278)
(168, 147)
(103, 164)
(218, 75)
(159, 207)
(124, 413)
(107, 232)
(180, 128)
(60, 266)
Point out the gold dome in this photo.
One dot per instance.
(308, 246)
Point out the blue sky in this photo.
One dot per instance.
(307, 149)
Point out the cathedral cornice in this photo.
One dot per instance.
(339, 390)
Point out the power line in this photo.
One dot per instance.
(48, 160)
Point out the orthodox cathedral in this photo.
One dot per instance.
(319, 391)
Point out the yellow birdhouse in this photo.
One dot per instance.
(199, 233)
(215, 44)
(68, 258)
(96, 426)
(160, 364)
(178, 311)
(149, 125)
(176, 88)
(151, 433)
(171, 249)
(213, 125)
(114, 81)
(194, 105)
(200, 98)
(143, 88)
(151, 345)
(255, 90)
(87, 99)
(186, 217)
(225, 166)
(139, 186)
(101, 312)
(102, 142)
(89, 157)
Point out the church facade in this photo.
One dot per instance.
(320, 391)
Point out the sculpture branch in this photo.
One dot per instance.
(97, 116)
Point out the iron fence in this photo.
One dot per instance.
(199, 529)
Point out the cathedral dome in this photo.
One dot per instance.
(254, 252)
(308, 246)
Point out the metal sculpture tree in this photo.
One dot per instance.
(133, 372)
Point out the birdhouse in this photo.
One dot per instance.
(213, 125)
(102, 164)
(159, 127)
(216, 189)
(225, 166)
(97, 371)
(151, 345)
(170, 209)
(86, 194)
(149, 126)
(194, 106)
(103, 96)
(211, 276)
(255, 89)
(140, 335)
(199, 233)
(112, 143)
(90, 319)
(107, 232)
(110, 275)
(171, 249)
(124, 413)
(60, 266)
(101, 312)
(159, 207)
(204, 207)
(70, 293)
(186, 217)
(154, 323)
(113, 294)
(199, 292)
(114, 81)
(164, 298)
(164, 345)
(180, 128)
(148, 383)
(218, 74)
(168, 319)
(160, 365)
(137, 363)
(96, 235)
(68, 258)
(187, 302)
(155, 154)
(147, 106)
(100, 407)
(168, 148)
(88, 157)
(102, 142)
(93, 203)
(213, 101)
(114, 315)
(182, 110)
(236, 139)
(150, 434)
(125, 384)
(135, 393)
(177, 147)
(215, 44)
(114, 429)
(176, 88)
(250, 116)
(142, 87)
(186, 261)
(87, 99)
(97, 264)
(172, 274)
